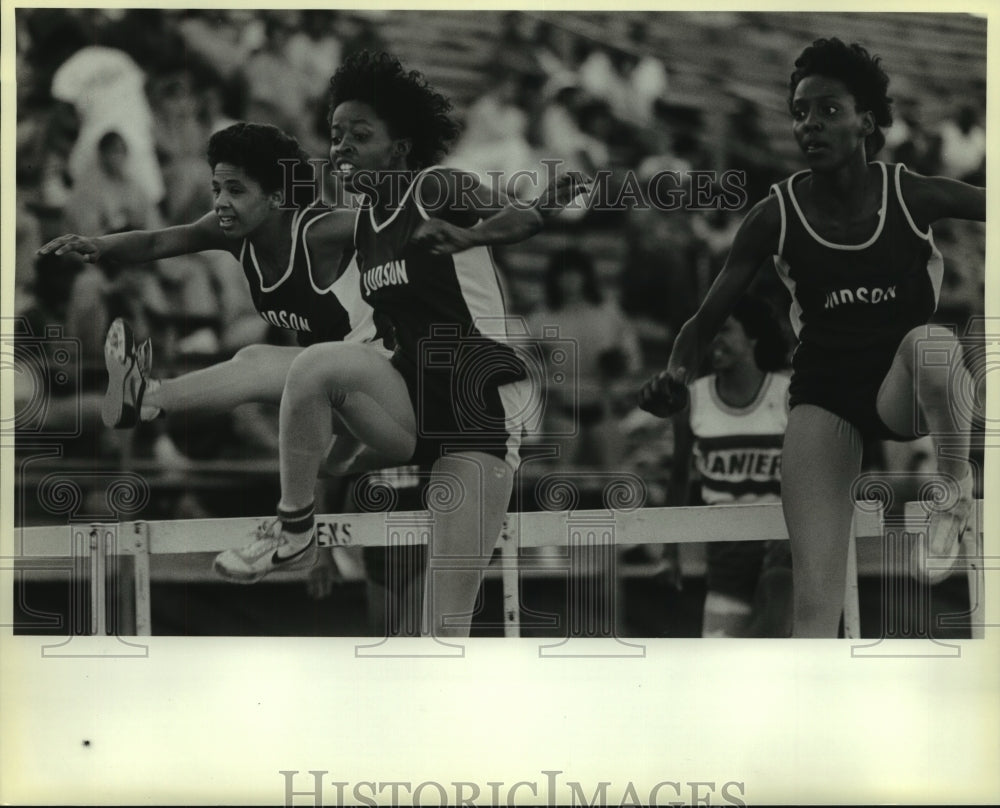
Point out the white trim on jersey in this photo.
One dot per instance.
(296, 221)
(516, 401)
(935, 264)
(906, 211)
(935, 270)
(305, 249)
(378, 228)
(784, 223)
(416, 196)
(481, 293)
(784, 271)
(830, 244)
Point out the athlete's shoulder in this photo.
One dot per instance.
(456, 195)
(763, 224)
(328, 227)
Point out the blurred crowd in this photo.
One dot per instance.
(115, 107)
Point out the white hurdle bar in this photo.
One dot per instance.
(701, 524)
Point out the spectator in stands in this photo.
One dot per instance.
(963, 146)
(358, 33)
(513, 53)
(648, 79)
(278, 91)
(107, 89)
(659, 282)
(63, 393)
(734, 427)
(580, 409)
(106, 198)
(495, 137)
(220, 38)
(563, 139)
(314, 48)
(558, 53)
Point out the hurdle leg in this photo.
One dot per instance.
(510, 579)
(140, 583)
(852, 606)
(98, 581)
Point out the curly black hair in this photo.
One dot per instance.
(258, 149)
(760, 323)
(860, 72)
(403, 99)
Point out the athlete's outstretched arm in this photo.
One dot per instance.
(932, 198)
(755, 242)
(139, 246)
(491, 218)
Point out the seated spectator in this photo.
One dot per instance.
(106, 198)
(495, 138)
(563, 139)
(512, 53)
(278, 91)
(963, 147)
(107, 89)
(580, 410)
(315, 49)
(648, 78)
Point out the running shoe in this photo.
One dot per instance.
(934, 558)
(266, 554)
(126, 376)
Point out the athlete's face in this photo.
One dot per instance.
(732, 347)
(241, 205)
(360, 141)
(827, 125)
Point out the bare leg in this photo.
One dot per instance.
(255, 374)
(465, 533)
(359, 386)
(928, 378)
(820, 461)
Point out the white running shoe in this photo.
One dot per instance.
(265, 555)
(126, 377)
(934, 560)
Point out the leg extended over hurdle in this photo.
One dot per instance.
(574, 529)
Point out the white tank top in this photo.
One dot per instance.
(738, 450)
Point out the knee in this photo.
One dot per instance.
(252, 354)
(319, 371)
(935, 355)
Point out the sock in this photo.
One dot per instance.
(148, 412)
(297, 525)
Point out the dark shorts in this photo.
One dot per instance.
(465, 413)
(853, 397)
(735, 567)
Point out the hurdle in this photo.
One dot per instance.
(585, 528)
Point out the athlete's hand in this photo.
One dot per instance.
(442, 238)
(87, 248)
(664, 394)
(561, 190)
